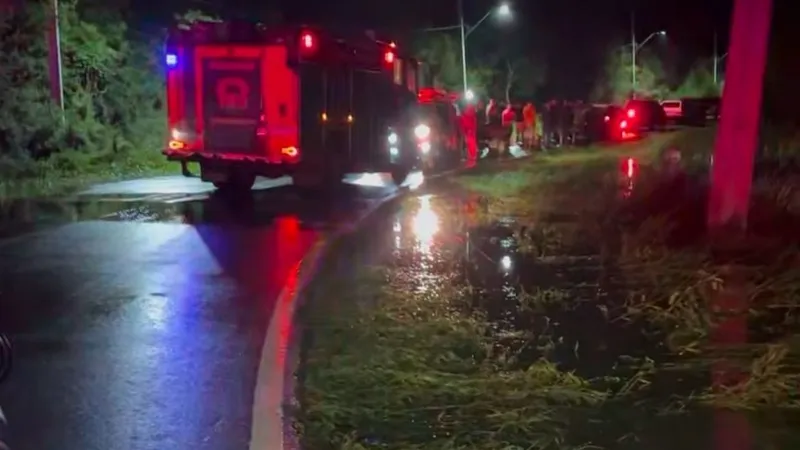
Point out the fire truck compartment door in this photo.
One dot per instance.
(231, 102)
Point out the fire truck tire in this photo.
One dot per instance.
(399, 174)
(319, 182)
(237, 182)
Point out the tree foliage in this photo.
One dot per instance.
(506, 73)
(616, 82)
(441, 56)
(699, 82)
(112, 89)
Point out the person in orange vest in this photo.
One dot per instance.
(469, 124)
(529, 126)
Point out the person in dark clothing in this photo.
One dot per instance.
(558, 122)
(568, 119)
(492, 112)
(548, 124)
(579, 120)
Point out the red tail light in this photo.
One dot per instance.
(623, 124)
(631, 113)
(308, 41)
(389, 57)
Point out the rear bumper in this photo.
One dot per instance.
(263, 167)
(253, 164)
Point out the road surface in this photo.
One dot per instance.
(142, 328)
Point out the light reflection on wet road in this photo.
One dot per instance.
(145, 330)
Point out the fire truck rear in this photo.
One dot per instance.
(246, 100)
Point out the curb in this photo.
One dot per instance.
(272, 428)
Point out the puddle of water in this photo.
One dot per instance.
(562, 306)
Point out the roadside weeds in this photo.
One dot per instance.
(606, 319)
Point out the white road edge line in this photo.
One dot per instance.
(271, 429)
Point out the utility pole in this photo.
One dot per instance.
(463, 45)
(716, 58)
(633, 53)
(54, 56)
(737, 135)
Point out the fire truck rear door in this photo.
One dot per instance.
(229, 98)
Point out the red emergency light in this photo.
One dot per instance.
(631, 113)
(307, 40)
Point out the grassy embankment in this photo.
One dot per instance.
(67, 172)
(391, 365)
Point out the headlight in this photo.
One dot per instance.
(422, 131)
(392, 138)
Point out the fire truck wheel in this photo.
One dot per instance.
(399, 174)
(236, 182)
(317, 183)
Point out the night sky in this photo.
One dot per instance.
(573, 35)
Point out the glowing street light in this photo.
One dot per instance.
(636, 46)
(503, 10)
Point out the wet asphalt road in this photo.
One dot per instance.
(142, 327)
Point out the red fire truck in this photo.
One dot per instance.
(245, 100)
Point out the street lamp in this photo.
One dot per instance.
(635, 47)
(503, 10)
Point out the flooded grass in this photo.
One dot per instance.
(558, 313)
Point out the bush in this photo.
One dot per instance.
(112, 88)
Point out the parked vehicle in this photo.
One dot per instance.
(607, 123)
(673, 109)
(697, 111)
(645, 114)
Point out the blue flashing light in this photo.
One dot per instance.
(172, 60)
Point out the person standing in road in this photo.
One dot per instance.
(568, 118)
(548, 124)
(507, 120)
(558, 122)
(529, 126)
(469, 125)
(491, 111)
(578, 121)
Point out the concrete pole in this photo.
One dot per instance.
(738, 132)
(633, 53)
(463, 45)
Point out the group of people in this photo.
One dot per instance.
(563, 121)
(499, 126)
(505, 125)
